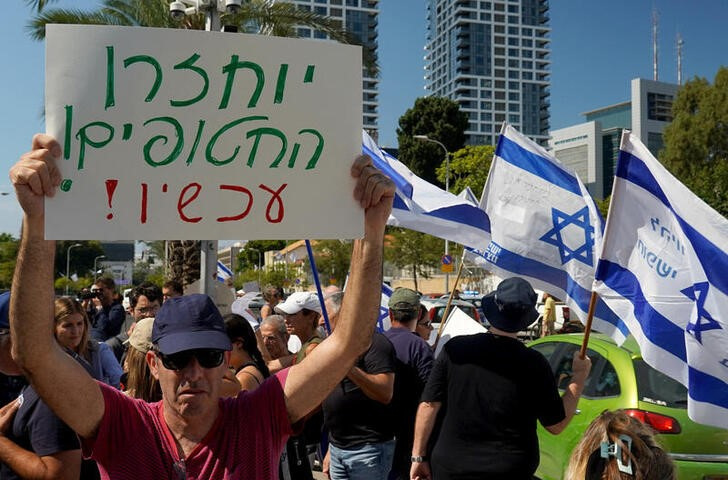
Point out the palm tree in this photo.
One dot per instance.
(256, 16)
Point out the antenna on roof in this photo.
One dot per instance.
(679, 58)
(654, 43)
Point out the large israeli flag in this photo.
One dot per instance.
(421, 206)
(544, 227)
(664, 270)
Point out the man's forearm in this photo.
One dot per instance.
(424, 424)
(377, 386)
(25, 463)
(31, 301)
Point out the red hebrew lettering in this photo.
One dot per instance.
(277, 199)
(244, 213)
(183, 201)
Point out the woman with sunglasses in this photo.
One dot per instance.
(72, 332)
(247, 367)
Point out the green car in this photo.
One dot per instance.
(621, 379)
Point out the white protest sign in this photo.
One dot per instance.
(201, 135)
(458, 323)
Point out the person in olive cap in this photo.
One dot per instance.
(497, 389)
(412, 368)
(191, 433)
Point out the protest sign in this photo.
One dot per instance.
(201, 135)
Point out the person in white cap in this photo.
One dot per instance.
(301, 311)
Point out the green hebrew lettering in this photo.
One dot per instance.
(157, 71)
(84, 140)
(189, 64)
(179, 133)
(230, 70)
(208, 151)
(259, 132)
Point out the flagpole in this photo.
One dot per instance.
(587, 328)
(314, 272)
(449, 301)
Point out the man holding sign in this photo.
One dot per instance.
(191, 433)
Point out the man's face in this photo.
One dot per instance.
(107, 295)
(299, 324)
(144, 308)
(168, 293)
(7, 364)
(192, 390)
(274, 341)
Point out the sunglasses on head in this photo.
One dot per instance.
(206, 357)
(426, 324)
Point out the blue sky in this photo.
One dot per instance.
(597, 48)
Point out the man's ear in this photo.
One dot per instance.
(152, 360)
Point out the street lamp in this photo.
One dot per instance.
(425, 138)
(68, 264)
(95, 269)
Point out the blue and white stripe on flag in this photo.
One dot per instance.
(383, 321)
(663, 270)
(544, 227)
(223, 272)
(421, 206)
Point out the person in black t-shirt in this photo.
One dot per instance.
(358, 416)
(492, 389)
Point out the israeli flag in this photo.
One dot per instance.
(664, 270)
(421, 206)
(544, 227)
(383, 322)
(223, 272)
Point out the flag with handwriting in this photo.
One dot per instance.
(664, 270)
(544, 227)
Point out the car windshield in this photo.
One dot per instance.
(655, 387)
(440, 310)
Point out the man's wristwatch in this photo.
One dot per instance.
(418, 458)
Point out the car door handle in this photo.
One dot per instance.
(577, 411)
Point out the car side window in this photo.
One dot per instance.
(563, 370)
(607, 384)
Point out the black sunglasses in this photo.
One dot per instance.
(206, 357)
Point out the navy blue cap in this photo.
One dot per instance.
(187, 323)
(512, 306)
(4, 310)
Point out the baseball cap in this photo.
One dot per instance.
(297, 301)
(5, 310)
(404, 299)
(141, 336)
(512, 306)
(189, 322)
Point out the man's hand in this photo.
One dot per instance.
(7, 413)
(375, 193)
(580, 368)
(326, 464)
(420, 471)
(36, 175)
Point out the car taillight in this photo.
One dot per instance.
(476, 315)
(661, 423)
(432, 313)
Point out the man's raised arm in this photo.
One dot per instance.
(60, 381)
(309, 382)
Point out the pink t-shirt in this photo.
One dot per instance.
(133, 441)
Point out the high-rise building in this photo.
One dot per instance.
(493, 58)
(592, 148)
(359, 17)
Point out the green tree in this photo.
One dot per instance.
(469, 167)
(254, 252)
(332, 261)
(413, 251)
(81, 258)
(696, 142)
(440, 119)
(8, 257)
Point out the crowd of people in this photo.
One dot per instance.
(173, 389)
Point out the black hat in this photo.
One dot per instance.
(512, 306)
(187, 323)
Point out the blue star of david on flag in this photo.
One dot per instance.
(698, 293)
(383, 313)
(580, 219)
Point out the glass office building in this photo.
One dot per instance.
(493, 58)
(359, 17)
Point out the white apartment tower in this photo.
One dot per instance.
(360, 17)
(493, 58)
